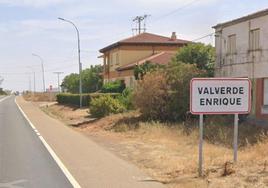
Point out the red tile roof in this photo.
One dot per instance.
(146, 39)
(161, 58)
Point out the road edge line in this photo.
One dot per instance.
(1, 100)
(63, 168)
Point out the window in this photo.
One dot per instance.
(254, 39)
(117, 58)
(131, 84)
(265, 91)
(111, 59)
(231, 44)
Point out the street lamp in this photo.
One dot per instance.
(79, 59)
(42, 66)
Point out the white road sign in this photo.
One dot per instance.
(220, 96)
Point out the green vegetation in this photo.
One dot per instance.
(113, 87)
(163, 93)
(141, 70)
(105, 105)
(126, 98)
(91, 80)
(74, 99)
(2, 92)
(203, 56)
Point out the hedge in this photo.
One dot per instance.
(105, 105)
(74, 99)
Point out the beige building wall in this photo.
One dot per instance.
(124, 55)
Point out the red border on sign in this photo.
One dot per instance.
(229, 112)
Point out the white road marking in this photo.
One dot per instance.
(66, 172)
(13, 184)
(1, 100)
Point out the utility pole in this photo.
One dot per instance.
(43, 72)
(34, 89)
(58, 74)
(79, 58)
(138, 20)
(30, 83)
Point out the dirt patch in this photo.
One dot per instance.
(70, 115)
(168, 153)
(38, 96)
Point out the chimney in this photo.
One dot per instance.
(173, 36)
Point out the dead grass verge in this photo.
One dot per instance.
(169, 152)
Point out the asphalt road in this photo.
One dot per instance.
(24, 160)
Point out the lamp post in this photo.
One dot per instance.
(43, 72)
(79, 58)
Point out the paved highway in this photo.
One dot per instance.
(24, 160)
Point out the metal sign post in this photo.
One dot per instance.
(219, 96)
(235, 136)
(200, 169)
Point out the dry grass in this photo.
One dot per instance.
(169, 152)
(37, 96)
(68, 114)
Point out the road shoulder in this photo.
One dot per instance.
(90, 164)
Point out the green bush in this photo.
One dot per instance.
(74, 99)
(126, 98)
(105, 105)
(113, 87)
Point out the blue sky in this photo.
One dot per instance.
(31, 26)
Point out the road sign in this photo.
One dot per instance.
(220, 96)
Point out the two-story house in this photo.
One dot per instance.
(242, 51)
(120, 58)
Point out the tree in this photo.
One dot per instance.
(71, 83)
(203, 56)
(141, 70)
(164, 94)
(91, 80)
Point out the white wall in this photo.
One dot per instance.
(243, 63)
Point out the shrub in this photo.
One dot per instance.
(126, 98)
(178, 77)
(105, 105)
(151, 96)
(74, 99)
(113, 87)
(164, 94)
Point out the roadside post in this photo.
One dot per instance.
(200, 166)
(219, 96)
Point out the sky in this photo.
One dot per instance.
(31, 26)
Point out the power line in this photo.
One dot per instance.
(202, 37)
(174, 11)
(138, 20)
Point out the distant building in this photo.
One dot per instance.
(242, 51)
(120, 58)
